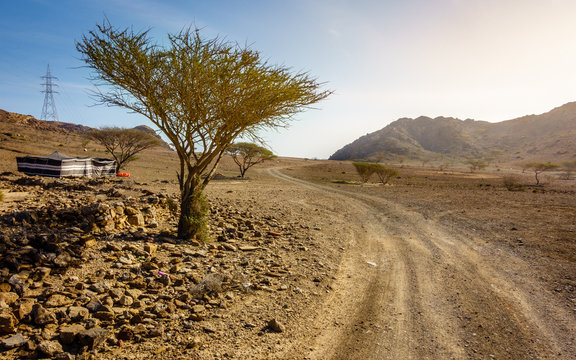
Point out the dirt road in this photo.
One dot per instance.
(410, 288)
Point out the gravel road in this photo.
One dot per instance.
(410, 288)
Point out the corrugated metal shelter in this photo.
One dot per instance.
(60, 165)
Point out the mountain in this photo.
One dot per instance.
(30, 123)
(24, 134)
(547, 137)
(148, 130)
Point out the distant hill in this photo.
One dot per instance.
(547, 137)
(27, 123)
(31, 123)
(149, 130)
(25, 135)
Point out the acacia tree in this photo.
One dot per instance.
(201, 93)
(384, 174)
(539, 168)
(246, 155)
(123, 144)
(364, 170)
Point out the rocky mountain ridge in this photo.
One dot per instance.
(544, 137)
(31, 123)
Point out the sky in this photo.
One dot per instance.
(489, 60)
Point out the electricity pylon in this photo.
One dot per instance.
(49, 107)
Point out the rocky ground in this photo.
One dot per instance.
(90, 269)
(305, 263)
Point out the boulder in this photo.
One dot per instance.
(78, 313)
(126, 300)
(136, 220)
(41, 273)
(42, 316)
(8, 321)
(150, 248)
(24, 308)
(128, 210)
(49, 348)
(14, 341)
(68, 333)
(275, 326)
(92, 338)
(58, 300)
(8, 298)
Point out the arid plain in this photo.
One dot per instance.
(304, 263)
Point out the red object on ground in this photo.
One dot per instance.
(123, 174)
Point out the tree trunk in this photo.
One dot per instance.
(193, 222)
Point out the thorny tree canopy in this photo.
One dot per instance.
(123, 144)
(202, 93)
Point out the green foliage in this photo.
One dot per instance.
(193, 217)
(539, 167)
(366, 170)
(385, 174)
(246, 155)
(123, 144)
(201, 93)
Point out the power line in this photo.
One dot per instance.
(49, 107)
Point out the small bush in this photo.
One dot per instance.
(385, 174)
(211, 285)
(365, 170)
(512, 183)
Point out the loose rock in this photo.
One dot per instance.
(14, 341)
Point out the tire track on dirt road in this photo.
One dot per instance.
(410, 289)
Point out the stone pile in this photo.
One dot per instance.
(79, 279)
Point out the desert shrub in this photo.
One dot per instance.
(512, 183)
(385, 174)
(365, 170)
(212, 285)
(476, 164)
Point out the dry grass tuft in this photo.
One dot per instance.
(512, 183)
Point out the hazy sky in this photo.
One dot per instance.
(488, 60)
